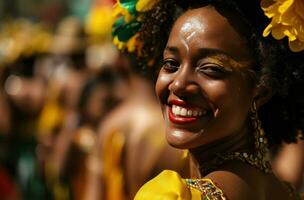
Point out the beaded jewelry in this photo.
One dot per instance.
(208, 189)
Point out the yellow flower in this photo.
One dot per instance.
(145, 5)
(131, 45)
(121, 11)
(120, 45)
(287, 19)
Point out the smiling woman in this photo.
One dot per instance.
(195, 78)
(220, 85)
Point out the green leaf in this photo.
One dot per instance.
(127, 31)
(130, 5)
(117, 25)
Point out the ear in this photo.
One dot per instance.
(262, 94)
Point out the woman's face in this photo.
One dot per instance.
(203, 87)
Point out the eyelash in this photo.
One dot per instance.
(170, 65)
(212, 70)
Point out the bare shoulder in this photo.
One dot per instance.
(117, 119)
(132, 119)
(239, 181)
(233, 185)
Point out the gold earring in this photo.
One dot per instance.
(261, 142)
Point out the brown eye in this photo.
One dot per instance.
(170, 65)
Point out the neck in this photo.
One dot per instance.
(205, 157)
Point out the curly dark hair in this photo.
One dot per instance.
(276, 67)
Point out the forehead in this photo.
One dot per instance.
(205, 27)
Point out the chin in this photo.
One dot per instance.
(182, 139)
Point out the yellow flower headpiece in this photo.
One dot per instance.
(287, 19)
(127, 17)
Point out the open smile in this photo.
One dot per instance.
(180, 113)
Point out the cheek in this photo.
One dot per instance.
(227, 93)
(162, 86)
(240, 95)
(232, 101)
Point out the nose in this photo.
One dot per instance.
(184, 84)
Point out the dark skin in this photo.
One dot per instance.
(199, 69)
(205, 68)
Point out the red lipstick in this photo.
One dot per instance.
(180, 119)
(181, 103)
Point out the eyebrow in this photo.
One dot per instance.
(172, 49)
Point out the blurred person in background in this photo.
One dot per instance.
(97, 99)
(24, 92)
(59, 118)
(80, 92)
(288, 163)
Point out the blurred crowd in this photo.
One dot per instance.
(77, 119)
(53, 95)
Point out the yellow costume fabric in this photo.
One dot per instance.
(170, 186)
(113, 172)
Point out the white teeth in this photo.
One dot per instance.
(189, 113)
(174, 109)
(177, 110)
(183, 112)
